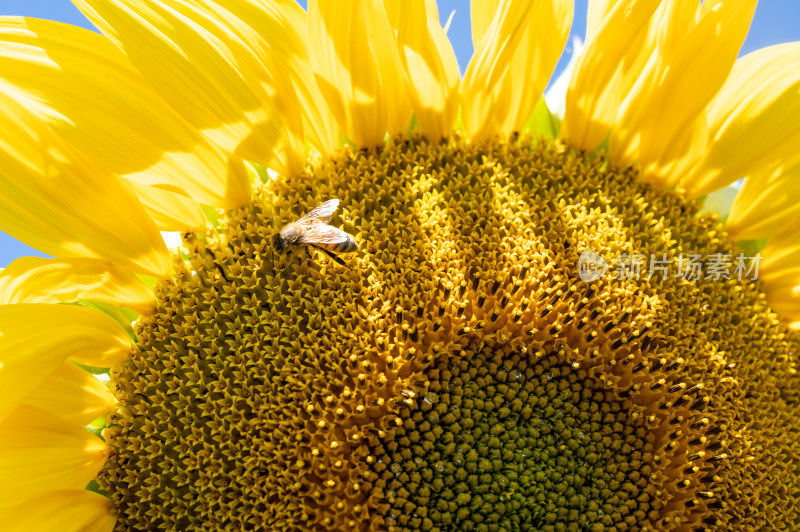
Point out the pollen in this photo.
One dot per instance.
(458, 372)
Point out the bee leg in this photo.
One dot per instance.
(331, 255)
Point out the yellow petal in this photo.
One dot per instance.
(35, 340)
(780, 272)
(767, 204)
(482, 13)
(170, 210)
(278, 33)
(513, 62)
(429, 62)
(40, 452)
(61, 510)
(53, 198)
(753, 132)
(208, 74)
(605, 72)
(694, 51)
(596, 13)
(647, 73)
(38, 280)
(92, 96)
(73, 394)
(358, 68)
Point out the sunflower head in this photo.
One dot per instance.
(457, 371)
(536, 332)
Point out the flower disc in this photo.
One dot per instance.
(456, 373)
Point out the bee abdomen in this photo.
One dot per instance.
(347, 246)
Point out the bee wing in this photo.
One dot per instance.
(320, 233)
(323, 212)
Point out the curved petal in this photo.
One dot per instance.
(695, 50)
(482, 13)
(207, 74)
(94, 98)
(753, 132)
(647, 73)
(358, 68)
(40, 452)
(170, 210)
(780, 272)
(39, 280)
(596, 13)
(72, 394)
(430, 64)
(35, 340)
(53, 198)
(766, 203)
(513, 62)
(278, 32)
(606, 70)
(62, 510)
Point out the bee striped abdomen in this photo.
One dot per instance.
(346, 246)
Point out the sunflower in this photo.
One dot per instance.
(460, 371)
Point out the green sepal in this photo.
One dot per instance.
(344, 140)
(257, 172)
(148, 280)
(720, 201)
(543, 122)
(459, 125)
(122, 315)
(752, 247)
(412, 126)
(212, 214)
(96, 427)
(94, 370)
(93, 486)
(602, 148)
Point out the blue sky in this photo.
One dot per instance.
(775, 21)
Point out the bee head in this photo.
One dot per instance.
(277, 242)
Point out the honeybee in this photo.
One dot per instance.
(313, 230)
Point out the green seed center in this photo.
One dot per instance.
(507, 443)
